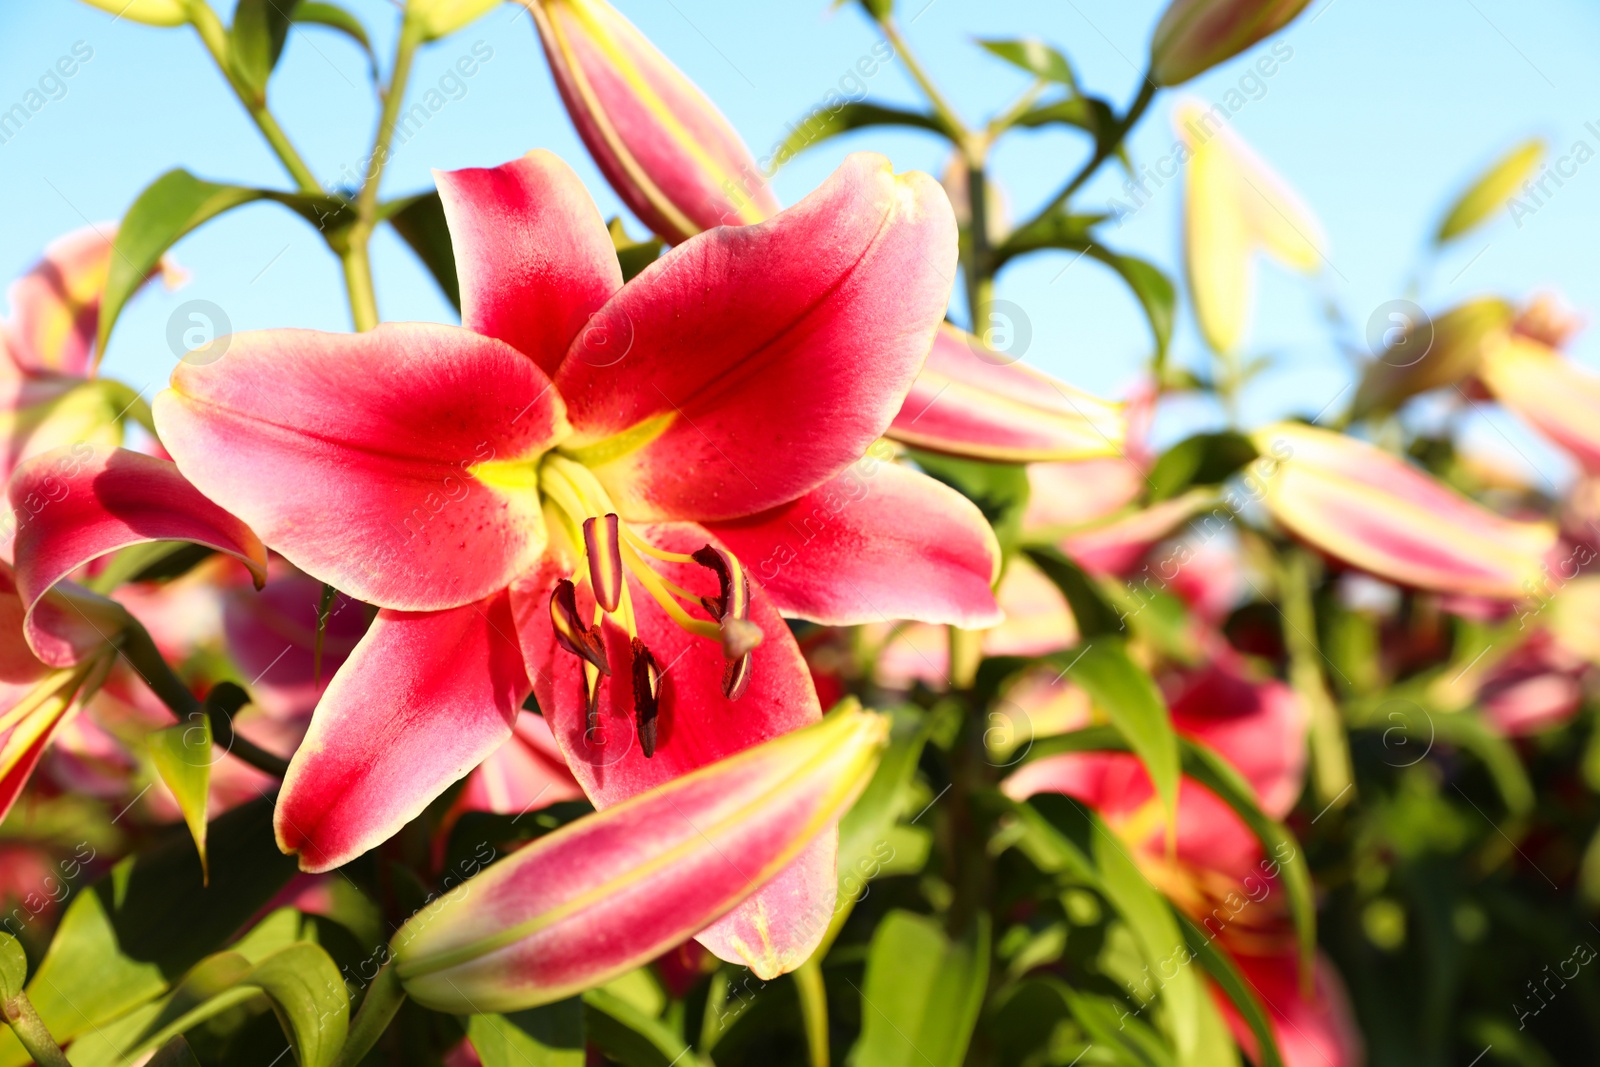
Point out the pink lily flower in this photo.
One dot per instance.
(605, 494)
(525, 774)
(48, 357)
(1378, 513)
(664, 147)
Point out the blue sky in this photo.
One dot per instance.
(1378, 118)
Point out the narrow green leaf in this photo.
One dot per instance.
(1059, 229)
(168, 208)
(550, 1036)
(420, 222)
(308, 994)
(1152, 288)
(1090, 114)
(629, 1036)
(1490, 190)
(922, 992)
(255, 41)
(829, 122)
(13, 967)
(1127, 696)
(182, 757)
(1035, 57)
(1204, 459)
(1230, 981)
(334, 17)
(1110, 1025)
(1095, 615)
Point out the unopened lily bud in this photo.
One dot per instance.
(1419, 353)
(1376, 512)
(149, 12)
(664, 147)
(1195, 35)
(1547, 391)
(615, 889)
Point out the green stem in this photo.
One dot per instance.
(813, 1009)
(378, 1008)
(32, 1032)
(142, 654)
(1104, 147)
(215, 38)
(1330, 750)
(1018, 108)
(357, 261)
(955, 129)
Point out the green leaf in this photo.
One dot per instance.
(1109, 1024)
(1204, 459)
(1091, 114)
(334, 17)
(172, 206)
(1227, 977)
(999, 489)
(1035, 57)
(829, 122)
(308, 994)
(123, 941)
(629, 1036)
(1095, 615)
(868, 842)
(255, 41)
(182, 757)
(420, 222)
(549, 1036)
(1059, 229)
(1152, 288)
(633, 256)
(13, 967)
(1491, 189)
(922, 992)
(1127, 696)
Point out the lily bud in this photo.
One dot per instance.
(972, 401)
(1376, 512)
(149, 12)
(1195, 35)
(1419, 356)
(615, 889)
(1547, 391)
(664, 147)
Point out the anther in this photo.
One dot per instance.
(605, 560)
(646, 695)
(582, 641)
(733, 598)
(736, 677)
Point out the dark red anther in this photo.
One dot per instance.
(736, 676)
(646, 695)
(733, 598)
(582, 641)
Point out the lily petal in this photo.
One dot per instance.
(1257, 725)
(969, 401)
(1315, 1031)
(1552, 394)
(55, 307)
(697, 725)
(877, 542)
(615, 889)
(532, 253)
(524, 774)
(1378, 513)
(751, 364)
(396, 465)
(423, 699)
(665, 149)
(96, 501)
